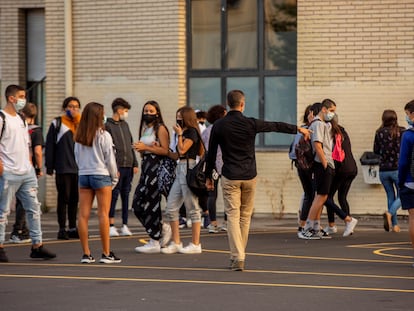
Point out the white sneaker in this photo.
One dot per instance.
(172, 248)
(224, 227)
(125, 230)
(113, 231)
(166, 234)
(331, 230)
(191, 249)
(212, 228)
(350, 226)
(152, 247)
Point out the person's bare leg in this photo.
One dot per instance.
(86, 196)
(103, 196)
(175, 231)
(195, 231)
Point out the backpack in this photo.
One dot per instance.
(166, 175)
(292, 151)
(338, 154)
(304, 154)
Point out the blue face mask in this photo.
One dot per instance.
(68, 113)
(409, 121)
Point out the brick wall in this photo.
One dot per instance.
(130, 49)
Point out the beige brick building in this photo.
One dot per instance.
(359, 53)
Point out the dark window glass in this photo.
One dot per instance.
(205, 30)
(280, 34)
(242, 34)
(204, 93)
(280, 105)
(248, 45)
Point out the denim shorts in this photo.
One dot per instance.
(94, 181)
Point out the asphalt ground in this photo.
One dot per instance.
(370, 270)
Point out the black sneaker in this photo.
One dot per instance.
(62, 235)
(87, 259)
(3, 256)
(42, 253)
(237, 265)
(111, 258)
(73, 233)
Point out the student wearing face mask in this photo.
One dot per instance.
(60, 159)
(126, 161)
(323, 168)
(18, 177)
(405, 170)
(153, 145)
(189, 146)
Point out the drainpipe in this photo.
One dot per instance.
(68, 49)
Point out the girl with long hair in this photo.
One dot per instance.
(387, 145)
(98, 174)
(189, 146)
(153, 145)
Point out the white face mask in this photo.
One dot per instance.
(329, 116)
(21, 102)
(124, 116)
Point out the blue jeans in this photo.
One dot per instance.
(24, 187)
(123, 188)
(389, 180)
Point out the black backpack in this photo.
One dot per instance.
(304, 154)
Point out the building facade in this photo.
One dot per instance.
(284, 54)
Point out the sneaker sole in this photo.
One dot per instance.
(86, 261)
(147, 251)
(106, 261)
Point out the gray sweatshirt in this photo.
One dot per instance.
(99, 159)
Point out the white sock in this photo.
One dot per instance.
(309, 224)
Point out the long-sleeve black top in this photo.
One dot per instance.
(236, 135)
(122, 138)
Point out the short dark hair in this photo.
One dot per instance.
(30, 110)
(316, 108)
(11, 90)
(201, 114)
(120, 103)
(328, 103)
(216, 112)
(67, 100)
(234, 98)
(410, 106)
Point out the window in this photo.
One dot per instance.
(248, 45)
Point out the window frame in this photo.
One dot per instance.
(224, 73)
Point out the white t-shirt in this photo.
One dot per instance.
(15, 145)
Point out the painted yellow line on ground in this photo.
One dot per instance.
(316, 257)
(203, 282)
(380, 252)
(378, 245)
(310, 273)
